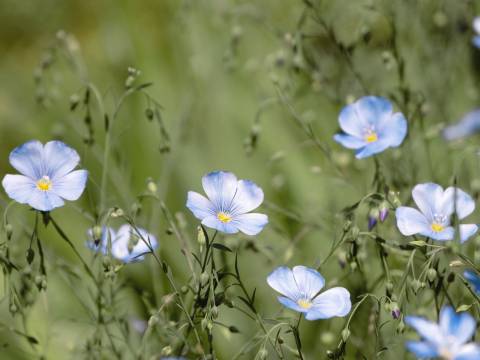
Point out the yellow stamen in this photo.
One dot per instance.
(44, 183)
(304, 304)
(437, 227)
(225, 218)
(371, 137)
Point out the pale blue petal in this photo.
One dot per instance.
(351, 122)
(410, 221)
(120, 248)
(250, 224)
(282, 280)
(476, 41)
(422, 349)
(70, 186)
(213, 223)
(468, 352)
(476, 24)
(468, 125)
(464, 205)
(427, 196)
(467, 231)
(474, 279)
(374, 109)
(220, 187)
(349, 141)
(107, 233)
(446, 234)
(393, 129)
(291, 304)
(309, 281)
(460, 326)
(199, 205)
(248, 197)
(371, 149)
(28, 159)
(333, 302)
(44, 200)
(59, 159)
(19, 187)
(427, 330)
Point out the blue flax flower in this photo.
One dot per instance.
(47, 175)
(468, 125)
(436, 208)
(300, 288)
(370, 126)
(476, 29)
(474, 279)
(128, 244)
(447, 339)
(229, 203)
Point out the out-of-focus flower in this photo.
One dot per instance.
(476, 29)
(370, 126)
(436, 208)
(468, 125)
(47, 175)
(229, 203)
(447, 339)
(300, 288)
(474, 279)
(128, 243)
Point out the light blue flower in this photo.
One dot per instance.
(47, 175)
(128, 243)
(436, 208)
(370, 126)
(446, 340)
(300, 288)
(476, 29)
(474, 279)
(468, 125)
(229, 203)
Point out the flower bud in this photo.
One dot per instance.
(204, 277)
(372, 218)
(383, 211)
(166, 351)
(151, 186)
(9, 231)
(431, 274)
(401, 327)
(393, 195)
(395, 310)
(389, 286)
(416, 285)
(153, 320)
(201, 236)
(345, 334)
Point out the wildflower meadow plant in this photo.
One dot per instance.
(227, 208)
(47, 175)
(437, 206)
(370, 126)
(449, 339)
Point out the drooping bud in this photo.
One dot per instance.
(372, 218)
(201, 237)
(383, 211)
(431, 274)
(345, 334)
(395, 310)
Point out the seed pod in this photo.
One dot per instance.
(431, 274)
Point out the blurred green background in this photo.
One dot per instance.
(223, 70)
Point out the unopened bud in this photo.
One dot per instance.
(9, 231)
(372, 218)
(152, 187)
(383, 211)
(201, 236)
(431, 274)
(153, 320)
(204, 277)
(345, 334)
(167, 350)
(401, 327)
(395, 310)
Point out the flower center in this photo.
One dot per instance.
(225, 218)
(304, 303)
(446, 354)
(371, 136)
(44, 183)
(437, 227)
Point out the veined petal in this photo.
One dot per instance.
(251, 223)
(333, 302)
(309, 281)
(374, 109)
(427, 330)
(393, 129)
(469, 351)
(349, 141)
(59, 159)
(199, 205)
(467, 231)
(220, 187)
(248, 197)
(214, 223)
(372, 149)
(460, 326)
(410, 221)
(422, 349)
(291, 304)
(44, 200)
(282, 280)
(427, 197)
(456, 200)
(70, 186)
(28, 159)
(18, 187)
